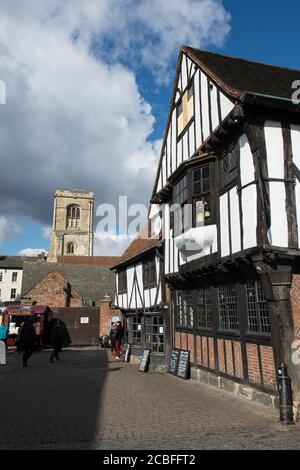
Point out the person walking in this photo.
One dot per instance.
(112, 337)
(118, 340)
(56, 339)
(27, 340)
(4, 334)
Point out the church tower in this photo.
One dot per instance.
(72, 233)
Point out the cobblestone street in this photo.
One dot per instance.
(89, 401)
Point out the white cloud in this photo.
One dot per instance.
(9, 229)
(46, 231)
(32, 251)
(112, 245)
(74, 116)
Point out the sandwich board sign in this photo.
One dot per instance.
(145, 359)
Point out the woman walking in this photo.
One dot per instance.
(118, 340)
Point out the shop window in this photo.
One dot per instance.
(155, 334)
(122, 281)
(204, 309)
(184, 308)
(134, 330)
(228, 312)
(149, 273)
(185, 108)
(257, 309)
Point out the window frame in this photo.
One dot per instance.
(234, 149)
(228, 313)
(131, 321)
(259, 306)
(149, 273)
(11, 293)
(73, 216)
(150, 323)
(122, 276)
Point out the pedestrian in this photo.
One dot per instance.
(118, 340)
(27, 340)
(4, 334)
(112, 337)
(56, 339)
(18, 340)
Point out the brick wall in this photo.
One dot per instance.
(268, 367)
(106, 314)
(50, 291)
(253, 363)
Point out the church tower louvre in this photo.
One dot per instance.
(72, 232)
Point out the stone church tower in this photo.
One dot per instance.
(72, 233)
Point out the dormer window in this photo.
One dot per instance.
(185, 108)
(73, 216)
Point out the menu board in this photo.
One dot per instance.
(183, 368)
(144, 364)
(173, 364)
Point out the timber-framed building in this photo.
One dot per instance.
(231, 155)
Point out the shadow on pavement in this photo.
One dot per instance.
(52, 405)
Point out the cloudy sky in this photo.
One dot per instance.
(88, 88)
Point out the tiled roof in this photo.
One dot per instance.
(237, 76)
(91, 282)
(15, 262)
(89, 260)
(142, 243)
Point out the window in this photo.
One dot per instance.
(13, 293)
(134, 330)
(185, 108)
(70, 248)
(155, 334)
(73, 216)
(180, 208)
(201, 195)
(0, 293)
(122, 281)
(184, 308)
(257, 309)
(229, 166)
(1, 277)
(204, 310)
(228, 313)
(149, 273)
(14, 277)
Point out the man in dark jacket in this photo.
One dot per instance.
(27, 340)
(56, 339)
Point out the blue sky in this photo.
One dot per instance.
(110, 80)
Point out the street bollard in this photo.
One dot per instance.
(285, 396)
(2, 353)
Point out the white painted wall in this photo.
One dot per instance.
(6, 284)
(248, 195)
(278, 233)
(295, 136)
